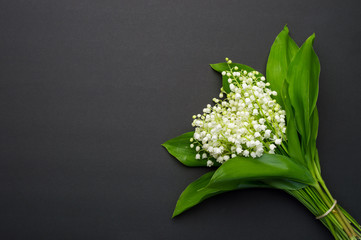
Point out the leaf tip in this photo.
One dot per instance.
(311, 38)
(285, 28)
(175, 213)
(165, 145)
(215, 67)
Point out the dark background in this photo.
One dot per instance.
(90, 89)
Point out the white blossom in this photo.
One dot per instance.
(246, 153)
(247, 122)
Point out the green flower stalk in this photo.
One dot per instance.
(262, 133)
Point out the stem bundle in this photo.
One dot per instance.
(319, 200)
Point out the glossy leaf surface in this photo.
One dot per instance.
(282, 52)
(180, 148)
(293, 140)
(220, 67)
(199, 190)
(268, 166)
(225, 84)
(302, 76)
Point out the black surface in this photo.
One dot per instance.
(90, 89)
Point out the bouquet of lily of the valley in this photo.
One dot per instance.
(262, 133)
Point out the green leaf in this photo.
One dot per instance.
(269, 166)
(293, 141)
(195, 193)
(314, 131)
(302, 76)
(282, 52)
(220, 67)
(284, 184)
(294, 145)
(199, 190)
(317, 160)
(314, 124)
(180, 148)
(225, 84)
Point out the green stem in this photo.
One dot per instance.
(319, 200)
(327, 197)
(311, 198)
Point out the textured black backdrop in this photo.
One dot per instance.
(90, 89)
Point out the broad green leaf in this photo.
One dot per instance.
(225, 84)
(314, 131)
(302, 76)
(281, 54)
(317, 161)
(198, 191)
(293, 141)
(220, 67)
(195, 193)
(180, 148)
(314, 124)
(294, 145)
(284, 184)
(269, 166)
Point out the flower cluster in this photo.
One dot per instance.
(247, 121)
